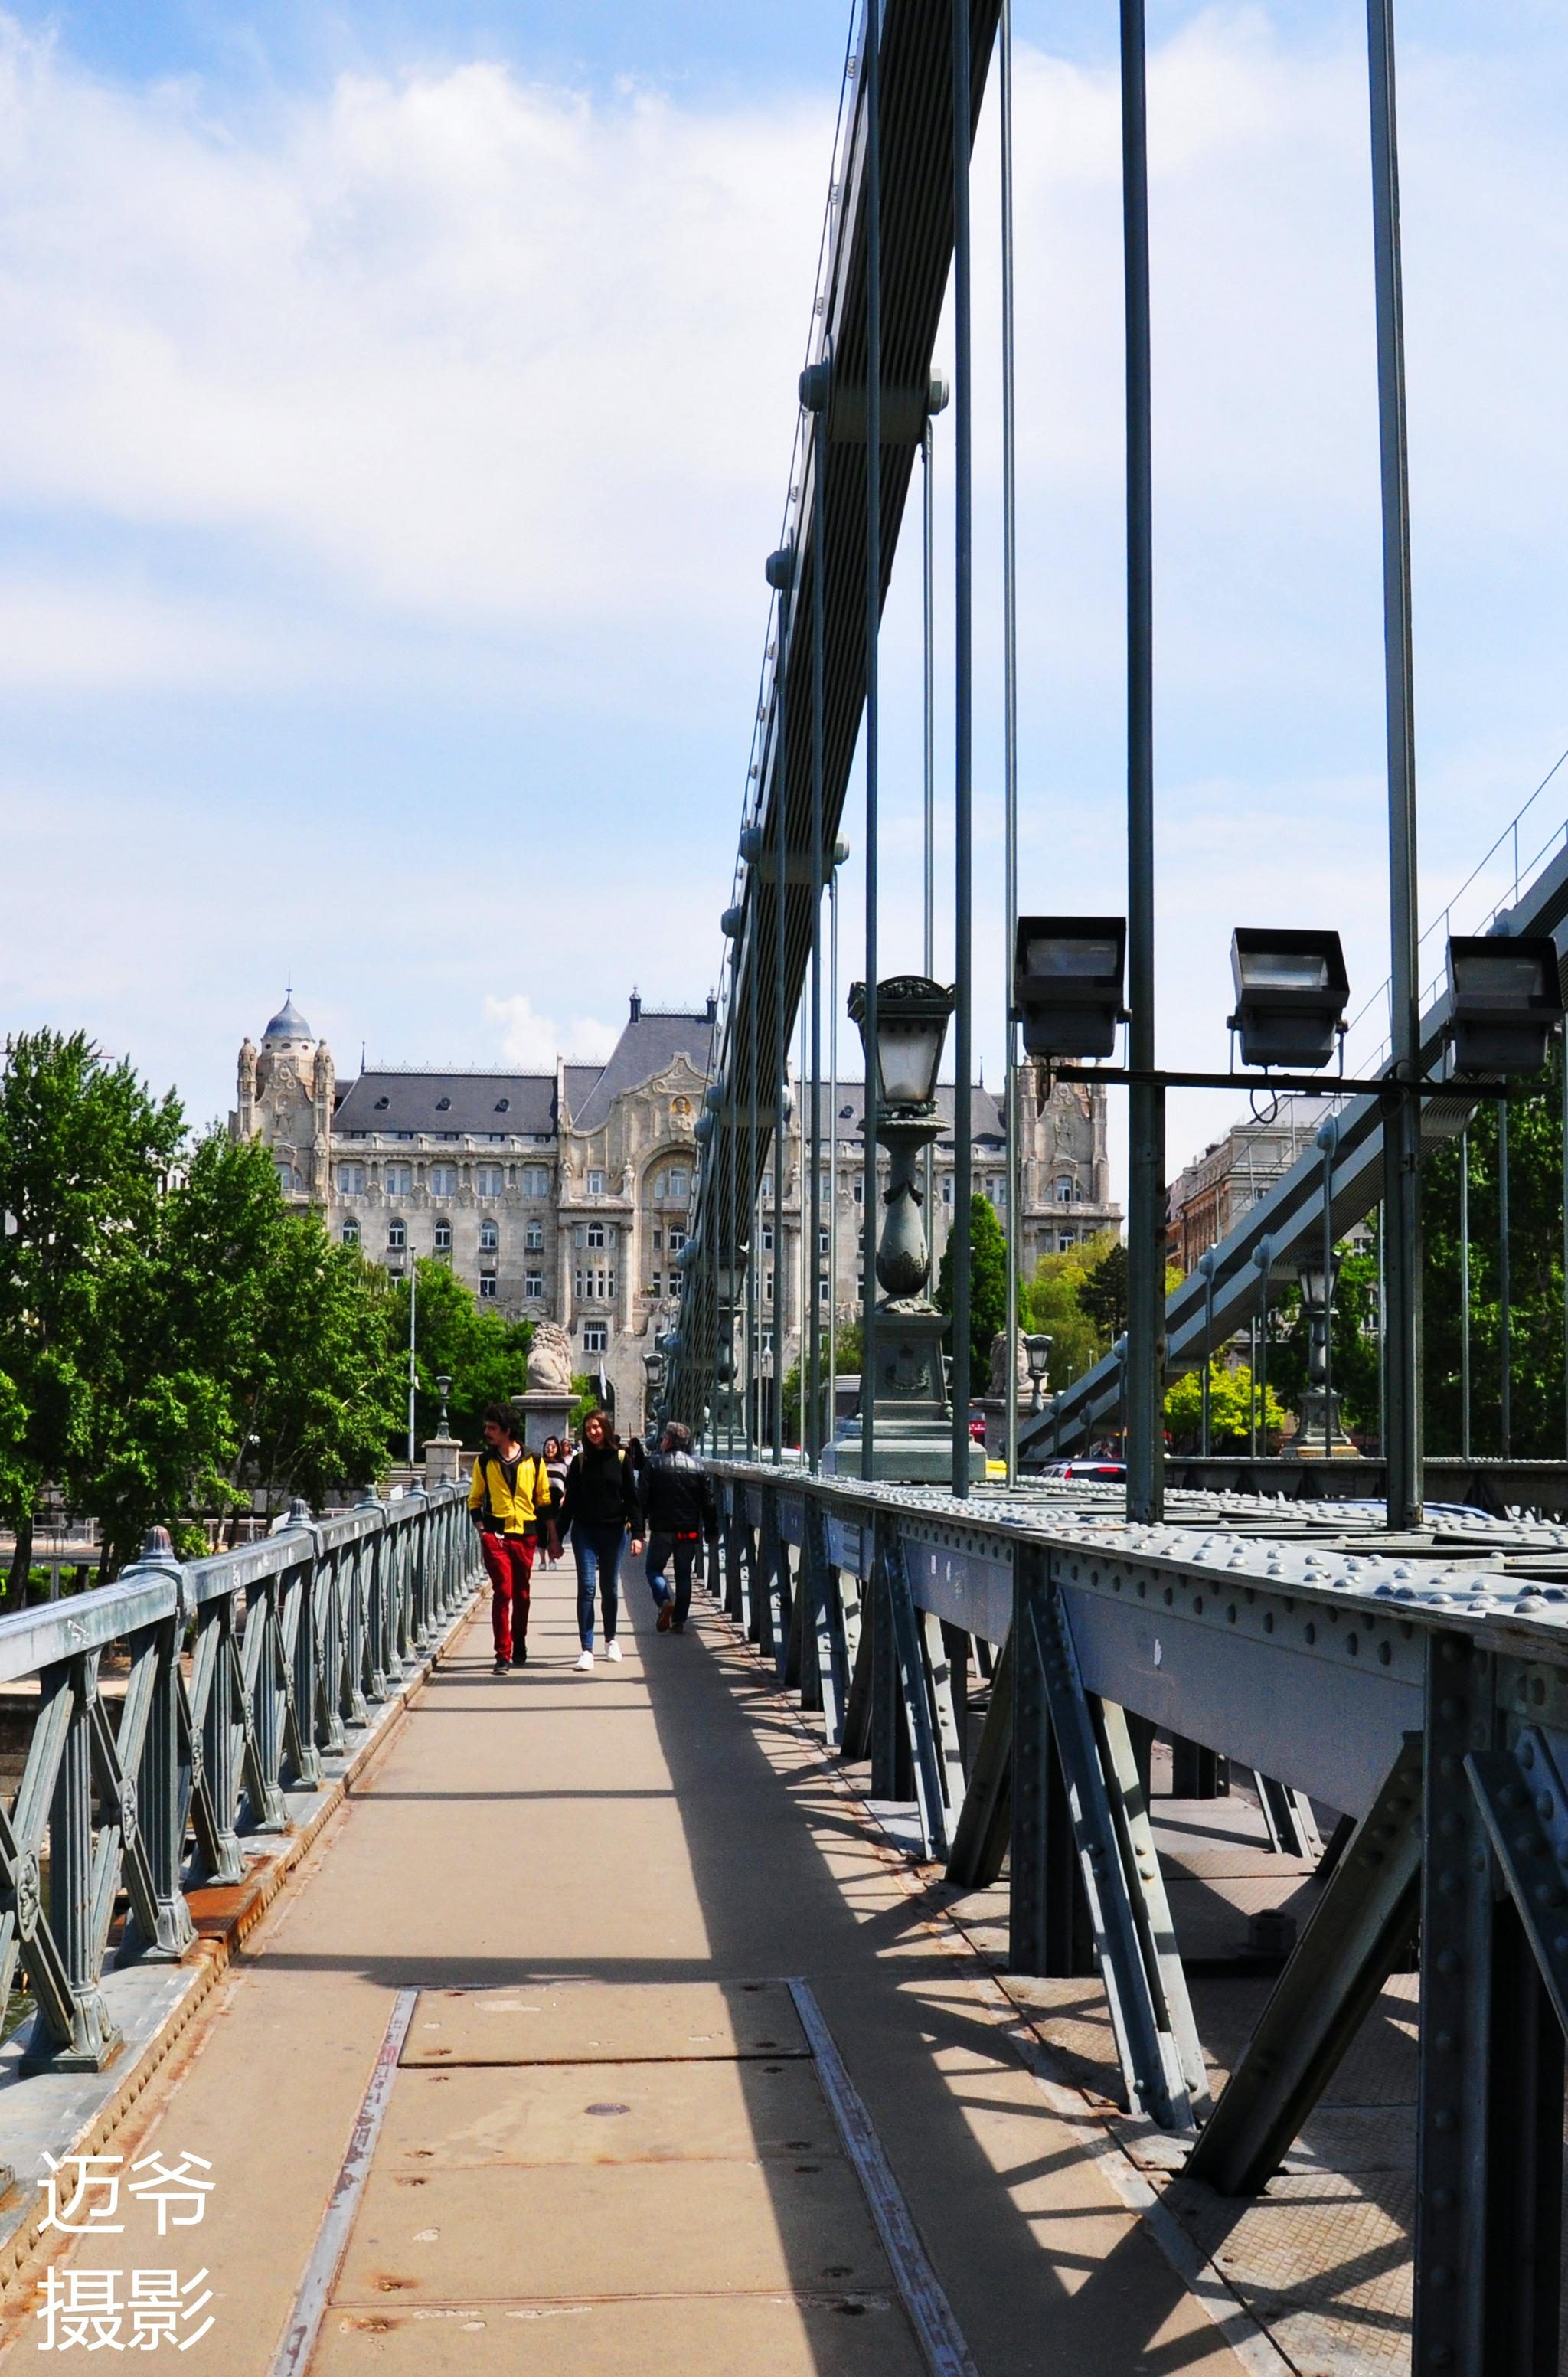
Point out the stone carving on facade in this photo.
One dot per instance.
(998, 1387)
(550, 1359)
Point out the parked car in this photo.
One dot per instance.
(1102, 1472)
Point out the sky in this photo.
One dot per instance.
(397, 407)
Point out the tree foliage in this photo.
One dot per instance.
(1230, 1409)
(483, 1355)
(988, 1285)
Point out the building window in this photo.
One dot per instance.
(1067, 1238)
(655, 1284)
(350, 1179)
(595, 1184)
(487, 1287)
(997, 1190)
(658, 1241)
(533, 1286)
(677, 1240)
(533, 1237)
(675, 1285)
(594, 1287)
(289, 1180)
(858, 1188)
(948, 1187)
(594, 1235)
(444, 1237)
(397, 1237)
(824, 1289)
(768, 1237)
(596, 1337)
(443, 1179)
(398, 1179)
(766, 1185)
(767, 1287)
(679, 1181)
(821, 1242)
(489, 1237)
(1063, 1190)
(536, 1180)
(490, 1179)
(351, 1234)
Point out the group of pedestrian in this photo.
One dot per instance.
(600, 1497)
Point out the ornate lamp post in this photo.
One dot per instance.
(443, 1387)
(912, 1425)
(1321, 1433)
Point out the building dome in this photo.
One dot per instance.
(288, 1023)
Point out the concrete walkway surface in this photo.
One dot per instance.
(543, 1921)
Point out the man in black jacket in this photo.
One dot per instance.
(678, 1507)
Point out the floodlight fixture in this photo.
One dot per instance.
(1504, 1001)
(1292, 989)
(1067, 974)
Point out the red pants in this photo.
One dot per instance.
(509, 1559)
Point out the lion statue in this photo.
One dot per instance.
(550, 1359)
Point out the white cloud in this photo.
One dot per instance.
(533, 1042)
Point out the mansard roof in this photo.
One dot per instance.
(988, 1111)
(649, 1044)
(473, 1104)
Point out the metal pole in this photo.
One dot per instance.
(832, 1412)
(413, 1372)
(1465, 1294)
(1010, 734)
(1207, 1267)
(963, 685)
(780, 1027)
(811, 1432)
(1145, 1365)
(872, 71)
(1562, 1060)
(753, 1226)
(1328, 1139)
(1402, 1140)
(1253, 1388)
(1504, 1289)
(928, 624)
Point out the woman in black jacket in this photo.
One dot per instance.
(599, 1506)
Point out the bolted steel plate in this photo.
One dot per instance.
(473, 2118)
(570, 2231)
(604, 2022)
(765, 2335)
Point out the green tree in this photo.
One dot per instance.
(988, 1286)
(84, 1153)
(1103, 1295)
(321, 1392)
(1230, 1394)
(484, 1354)
(847, 1350)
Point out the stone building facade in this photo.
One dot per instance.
(1213, 1192)
(566, 1195)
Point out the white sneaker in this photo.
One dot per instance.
(613, 1650)
(585, 1662)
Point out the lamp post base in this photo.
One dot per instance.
(912, 1431)
(1314, 1441)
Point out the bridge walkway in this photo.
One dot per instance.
(664, 1824)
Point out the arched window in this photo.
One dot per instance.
(397, 1237)
(289, 1180)
(489, 1237)
(442, 1236)
(351, 1234)
(1065, 1189)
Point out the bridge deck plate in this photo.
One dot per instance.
(578, 2021)
(850, 2337)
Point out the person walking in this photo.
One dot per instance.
(678, 1510)
(508, 1496)
(599, 1505)
(557, 1459)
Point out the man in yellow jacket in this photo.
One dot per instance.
(508, 1496)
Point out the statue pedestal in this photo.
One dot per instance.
(443, 1461)
(912, 1435)
(541, 1412)
(1314, 1441)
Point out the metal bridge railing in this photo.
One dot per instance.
(245, 1671)
(1419, 1686)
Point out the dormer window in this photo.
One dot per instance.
(502, 1105)
(442, 1105)
(382, 1105)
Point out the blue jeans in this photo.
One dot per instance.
(597, 1551)
(660, 1550)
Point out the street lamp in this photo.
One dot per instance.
(1504, 1001)
(443, 1387)
(912, 1417)
(1037, 1353)
(1319, 1434)
(1292, 988)
(1067, 976)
